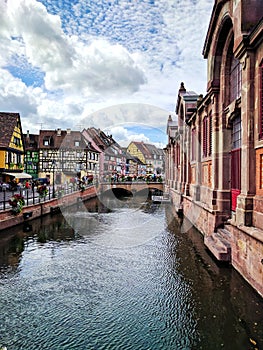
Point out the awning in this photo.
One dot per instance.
(19, 175)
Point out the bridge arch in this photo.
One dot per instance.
(132, 188)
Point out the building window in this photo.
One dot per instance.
(16, 141)
(178, 155)
(194, 144)
(76, 143)
(46, 142)
(260, 122)
(236, 133)
(235, 79)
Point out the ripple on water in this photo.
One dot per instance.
(95, 293)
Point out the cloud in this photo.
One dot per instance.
(131, 122)
(66, 63)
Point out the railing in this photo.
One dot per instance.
(31, 196)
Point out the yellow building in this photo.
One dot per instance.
(151, 156)
(138, 150)
(11, 148)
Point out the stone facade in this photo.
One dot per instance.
(214, 154)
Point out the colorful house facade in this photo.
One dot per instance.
(31, 156)
(63, 155)
(11, 148)
(151, 156)
(111, 159)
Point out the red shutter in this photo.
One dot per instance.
(178, 154)
(210, 135)
(261, 103)
(205, 137)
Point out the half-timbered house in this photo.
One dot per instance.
(63, 155)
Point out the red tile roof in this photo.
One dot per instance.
(60, 139)
(8, 122)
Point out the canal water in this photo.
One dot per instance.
(128, 277)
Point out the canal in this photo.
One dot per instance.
(120, 274)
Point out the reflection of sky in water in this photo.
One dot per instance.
(76, 291)
(122, 228)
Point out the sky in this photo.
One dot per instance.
(116, 65)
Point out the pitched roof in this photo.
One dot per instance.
(142, 148)
(8, 122)
(31, 141)
(101, 139)
(61, 139)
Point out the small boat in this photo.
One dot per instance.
(161, 199)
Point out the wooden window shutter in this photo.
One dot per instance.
(210, 134)
(261, 103)
(205, 137)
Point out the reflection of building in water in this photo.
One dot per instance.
(11, 249)
(16, 240)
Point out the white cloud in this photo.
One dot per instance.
(96, 56)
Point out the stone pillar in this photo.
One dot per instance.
(221, 172)
(244, 211)
(198, 174)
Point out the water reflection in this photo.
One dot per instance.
(84, 282)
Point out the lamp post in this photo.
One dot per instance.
(53, 184)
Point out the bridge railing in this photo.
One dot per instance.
(120, 181)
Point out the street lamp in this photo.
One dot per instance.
(53, 184)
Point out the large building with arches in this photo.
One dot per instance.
(214, 154)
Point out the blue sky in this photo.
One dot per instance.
(101, 63)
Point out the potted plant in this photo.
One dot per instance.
(17, 202)
(42, 190)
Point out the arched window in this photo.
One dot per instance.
(235, 79)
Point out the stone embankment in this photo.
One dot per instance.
(8, 219)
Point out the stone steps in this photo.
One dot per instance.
(219, 244)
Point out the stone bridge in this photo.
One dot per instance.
(131, 186)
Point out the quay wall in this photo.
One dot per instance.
(8, 219)
(246, 241)
(247, 254)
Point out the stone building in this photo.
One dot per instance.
(215, 151)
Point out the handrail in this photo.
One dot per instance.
(31, 196)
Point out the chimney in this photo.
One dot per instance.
(182, 89)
